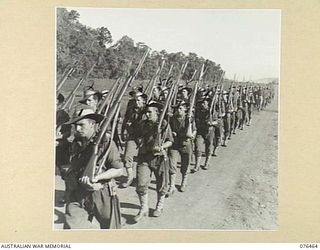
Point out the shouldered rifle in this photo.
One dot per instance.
(183, 69)
(69, 98)
(213, 103)
(193, 100)
(229, 101)
(113, 130)
(92, 163)
(108, 97)
(164, 83)
(153, 81)
(192, 77)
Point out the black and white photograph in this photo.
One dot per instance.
(166, 119)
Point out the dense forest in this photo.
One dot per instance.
(79, 43)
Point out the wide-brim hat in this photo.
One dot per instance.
(136, 89)
(85, 112)
(89, 93)
(186, 88)
(182, 103)
(204, 98)
(154, 104)
(137, 94)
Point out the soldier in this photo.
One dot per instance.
(226, 118)
(91, 98)
(92, 204)
(131, 125)
(181, 145)
(205, 134)
(250, 103)
(184, 94)
(152, 158)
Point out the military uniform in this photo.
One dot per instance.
(150, 162)
(182, 146)
(131, 124)
(204, 138)
(92, 209)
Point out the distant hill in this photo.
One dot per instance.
(267, 80)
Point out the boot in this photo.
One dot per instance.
(197, 166)
(144, 209)
(159, 207)
(206, 165)
(172, 187)
(129, 178)
(184, 182)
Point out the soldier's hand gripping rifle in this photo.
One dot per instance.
(92, 163)
(189, 133)
(70, 96)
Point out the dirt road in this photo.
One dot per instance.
(239, 191)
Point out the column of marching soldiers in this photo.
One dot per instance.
(166, 121)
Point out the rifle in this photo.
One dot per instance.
(193, 100)
(108, 98)
(72, 69)
(63, 106)
(192, 77)
(213, 103)
(113, 130)
(92, 163)
(168, 76)
(152, 83)
(183, 69)
(229, 102)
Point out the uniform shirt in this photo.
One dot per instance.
(180, 127)
(202, 119)
(149, 138)
(134, 118)
(82, 150)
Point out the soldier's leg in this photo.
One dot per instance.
(78, 218)
(130, 152)
(200, 147)
(162, 176)
(173, 156)
(143, 181)
(239, 118)
(185, 152)
(209, 148)
(249, 113)
(233, 122)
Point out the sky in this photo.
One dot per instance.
(246, 43)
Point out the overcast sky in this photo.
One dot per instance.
(243, 42)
